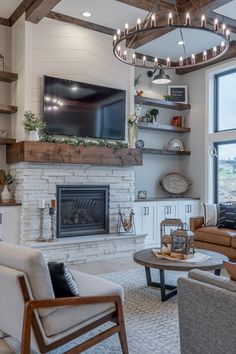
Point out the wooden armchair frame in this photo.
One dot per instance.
(30, 321)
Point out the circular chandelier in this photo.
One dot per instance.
(123, 39)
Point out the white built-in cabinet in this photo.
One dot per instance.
(10, 224)
(149, 214)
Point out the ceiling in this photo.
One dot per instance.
(113, 14)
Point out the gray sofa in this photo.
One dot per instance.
(207, 311)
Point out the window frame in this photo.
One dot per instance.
(216, 166)
(216, 100)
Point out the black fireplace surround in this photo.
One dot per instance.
(82, 210)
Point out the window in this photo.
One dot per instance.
(225, 101)
(225, 171)
(222, 140)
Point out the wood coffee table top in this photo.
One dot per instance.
(147, 259)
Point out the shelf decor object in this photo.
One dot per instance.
(174, 183)
(175, 145)
(123, 40)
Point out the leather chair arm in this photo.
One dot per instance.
(196, 222)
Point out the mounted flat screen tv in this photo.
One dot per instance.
(78, 109)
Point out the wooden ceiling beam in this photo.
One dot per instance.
(229, 55)
(39, 9)
(5, 22)
(23, 6)
(85, 24)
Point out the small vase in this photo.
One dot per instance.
(5, 195)
(33, 135)
(132, 136)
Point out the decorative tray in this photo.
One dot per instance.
(175, 183)
(172, 257)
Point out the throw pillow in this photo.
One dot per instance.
(227, 216)
(231, 269)
(63, 283)
(210, 214)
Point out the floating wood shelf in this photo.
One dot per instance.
(165, 152)
(6, 141)
(42, 152)
(163, 128)
(8, 204)
(7, 109)
(8, 77)
(154, 102)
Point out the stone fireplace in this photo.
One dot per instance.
(82, 210)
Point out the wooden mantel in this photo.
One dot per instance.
(41, 152)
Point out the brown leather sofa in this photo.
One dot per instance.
(213, 238)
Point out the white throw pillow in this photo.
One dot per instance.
(210, 214)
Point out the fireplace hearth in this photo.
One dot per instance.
(82, 210)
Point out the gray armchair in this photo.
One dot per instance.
(30, 312)
(207, 312)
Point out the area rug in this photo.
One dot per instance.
(151, 325)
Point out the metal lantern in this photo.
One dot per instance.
(182, 240)
(167, 226)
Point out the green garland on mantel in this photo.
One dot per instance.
(75, 142)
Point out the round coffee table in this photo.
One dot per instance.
(147, 259)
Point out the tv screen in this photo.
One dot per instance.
(83, 110)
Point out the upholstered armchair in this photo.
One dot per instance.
(30, 313)
(207, 311)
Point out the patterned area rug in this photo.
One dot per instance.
(151, 325)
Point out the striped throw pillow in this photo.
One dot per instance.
(63, 283)
(227, 216)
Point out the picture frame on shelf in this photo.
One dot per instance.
(179, 93)
(142, 195)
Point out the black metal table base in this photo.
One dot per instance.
(163, 286)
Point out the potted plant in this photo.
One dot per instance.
(33, 124)
(154, 113)
(132, 129)
(6, 181)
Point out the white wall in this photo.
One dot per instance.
(5, 93)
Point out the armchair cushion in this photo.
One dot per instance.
(32, 263)
(64, 285)
(67, 317)
(212, 279)
(213, 234)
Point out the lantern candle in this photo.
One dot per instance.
(53, 203)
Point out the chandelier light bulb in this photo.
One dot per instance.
(181, 61)
(222, 46)
(223, 29)
(156, 61)
(114, 39)
(118, 32)
(133, 58)
(203, 21)
(125, 55)
(216, 24)
(205, 55)
(168, 61)
(153, 20)
(227, 33)
(126, 28)
(193, 59)
(144, 60)
(170, 19)
(138, 26)
(118, 51)
(214, 51)
(188, 20)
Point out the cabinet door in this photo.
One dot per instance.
(188, 209)
(10, 224)
(166, 210)
(145, 222)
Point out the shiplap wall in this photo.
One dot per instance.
(71, 52)
(5, 88)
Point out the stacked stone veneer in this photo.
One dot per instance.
(35, 182)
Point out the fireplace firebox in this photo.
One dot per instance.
(82, 210)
